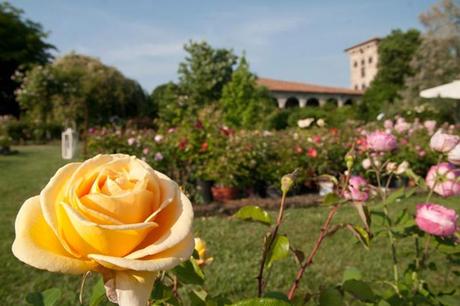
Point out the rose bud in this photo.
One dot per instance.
(200, 247)
(454, 155)
(442, 142)
(436, 219)
(357, 189)
(402, 168)
(366, 163)
(443, 179)
(391, 167)
(381, 142)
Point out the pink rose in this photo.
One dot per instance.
(402, 126)
(454, 155)
(442, 142)
(430, 125)
(357, 189)
(388, 124)
(381, 142)
(442, 178)
(436, 219)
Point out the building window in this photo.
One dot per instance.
(355, 64)
(370, 60)
(363, 72)
(356, 87)
(362, 62)
(363, 86)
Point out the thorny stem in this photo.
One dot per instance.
(389, 224)
(323, 233)
(268, 245)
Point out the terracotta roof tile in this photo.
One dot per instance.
(276, 85)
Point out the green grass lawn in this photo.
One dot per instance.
(235, 245)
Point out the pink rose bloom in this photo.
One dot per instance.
(442, 178)
(436, 219)
(158, 138)
(442, 142)
(430, 125)
(158, 156)
(454, 155)
(357, 189)
(131, 141)
(146, 151)
(381, 142)
(388, 124)
(402, 126)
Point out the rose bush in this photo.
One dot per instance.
(112, 214)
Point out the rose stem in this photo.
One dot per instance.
(323, 233)
(268, 245)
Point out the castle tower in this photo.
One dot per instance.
(363, 63)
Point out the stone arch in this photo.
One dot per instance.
(312, 102)
(348, 102)
(292, 102)
(332, 102)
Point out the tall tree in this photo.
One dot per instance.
(395, 53)
(244, 103)
(437, 61)
(79, 89)
(22, 44)
(204, 73)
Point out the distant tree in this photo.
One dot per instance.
(22, 43)
(244, 103)
(78, 89)
(437, 61)
(169, 102)
(395, 53)
(204, 72)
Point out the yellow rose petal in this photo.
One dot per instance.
(88, 237)
(174, 224)
(37, 245)
(130, 207)
(165, 260)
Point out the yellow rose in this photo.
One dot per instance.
(201, 248)
(112, 214)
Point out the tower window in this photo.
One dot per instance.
(355, 64)
(363, 86)
(370, 60)
(362, 62)
(363, 72)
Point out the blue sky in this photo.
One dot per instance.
(288, 40)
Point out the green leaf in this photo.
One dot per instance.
(51, 296)
(351, 273)
(359, 290)
(217, 301)
(189, 272)
(97, 293)
(410, 192)
(197, 298)
(449, 300)
(360, 233)
(276, 295)
(35, 298)
(395, 195)
(330, 297)
(262, 302)
(331, 199)
(254, 213)
(279, 250)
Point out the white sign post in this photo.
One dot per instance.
(69, 143)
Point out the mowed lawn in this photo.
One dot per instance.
(235, 245)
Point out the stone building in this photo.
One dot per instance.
(295, 94)
(363, 63)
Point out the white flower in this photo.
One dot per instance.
(321, 122)
(304, 123)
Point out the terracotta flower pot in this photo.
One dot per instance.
(223, 193)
